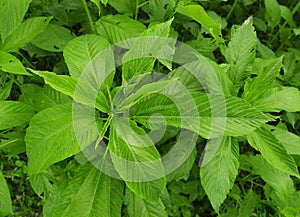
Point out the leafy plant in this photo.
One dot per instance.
(151, 108)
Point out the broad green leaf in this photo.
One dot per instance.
(12, 13)
(136, 159)
(137, 207)
(198, 13)
(273, 12)
(14, 113)
(273, 151)
(9, 63)
(41, 98)
(54, 38)
(5, 201)
(161, 10)
(90, 58)
(248, 204)
(50, 136)
(216, 116)
(90, 194)
(241, 52)
(268, 70)
(118, 28)
(278, 99)
(281, 182)
(151, 44)
(219, 169)
(290, 141)
(25, 33)
(80, 91)
(125, 6)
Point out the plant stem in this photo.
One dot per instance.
(231, 9)
(87, 11)
(137, 2)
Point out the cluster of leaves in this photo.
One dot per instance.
(61, 95)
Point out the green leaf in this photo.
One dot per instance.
(50, 136)
(12, 13)
(25, 33)
(273, 151)
(138, 88)
(118, 28)
(90, 194)
(5, 201)
(137, 207)
(290, 141)
(217, 115)
(241, 52)
(198, 13)
(220, 165)
(273, 12)
(54, 38)
(150, 45)
(14, 113)
(90, 58)
(268, 70)
(281, 182)
(9, 63)
(6, 86)
(161, 10)
(80, 91)
(248, 204)
(41, 98)
(125, 6)
(136, 159)
(278, 99)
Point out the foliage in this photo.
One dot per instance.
(149, 108)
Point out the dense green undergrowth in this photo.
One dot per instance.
(149, 108)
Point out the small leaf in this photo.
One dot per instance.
(220, 168)
(273, 151)
(90, 194)
(118, 28)
(161, 10)
(50, 136)
(5, 201)
(124, 6)
(248, 204)
(25, 33)
(137, 207)
(14, 113)
(238, 54)
(198, 13)
(9, 63)
(273, 12)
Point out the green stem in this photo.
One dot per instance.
(286, 22)
(137, 2)
(231, 9)
(103, 131)
(87, 11)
